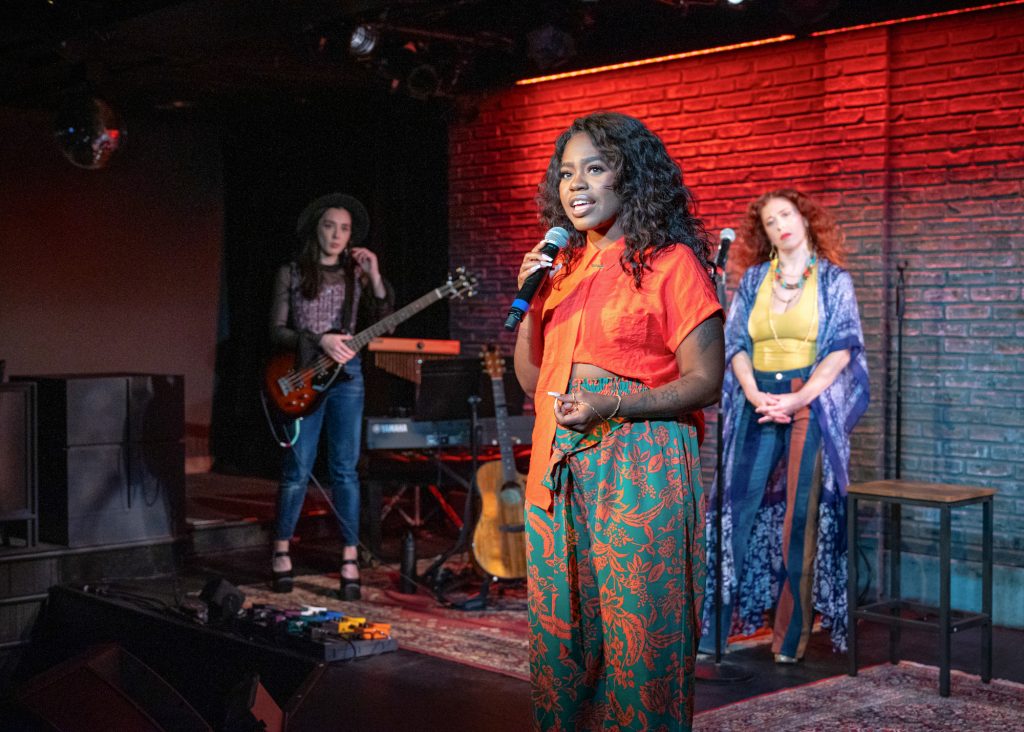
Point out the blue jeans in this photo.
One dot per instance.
(341, 411)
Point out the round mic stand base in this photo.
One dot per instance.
(720, 672)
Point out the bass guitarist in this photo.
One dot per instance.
(327, 293)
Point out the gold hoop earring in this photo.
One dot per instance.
(772, 253)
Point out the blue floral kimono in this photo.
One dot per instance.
(837, 410)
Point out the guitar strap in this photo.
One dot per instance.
(308, 348)
(350, 286)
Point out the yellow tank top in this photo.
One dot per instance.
(794, 344)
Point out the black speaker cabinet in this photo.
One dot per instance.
(447, 384)
(103, 494)
(98, 409)
(18, 462)
(156, 407)
(111, 457)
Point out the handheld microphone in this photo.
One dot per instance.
(554, 241)
(727, 237)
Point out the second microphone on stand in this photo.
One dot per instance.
(727, 237)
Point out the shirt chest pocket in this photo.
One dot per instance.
(626, 325)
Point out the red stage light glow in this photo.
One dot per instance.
(654, 60)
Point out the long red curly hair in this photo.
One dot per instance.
(826, 238)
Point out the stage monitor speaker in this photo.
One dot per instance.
(202, 663)
(107, 688)
(251, 708)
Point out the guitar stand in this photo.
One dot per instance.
(413, 520)
(416, 519)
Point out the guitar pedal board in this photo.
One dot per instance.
(325, 635)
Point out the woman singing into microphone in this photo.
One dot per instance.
(622, 348)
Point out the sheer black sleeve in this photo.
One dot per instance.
(373, 309)
(282, 335)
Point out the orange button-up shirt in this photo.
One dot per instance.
(596, 315)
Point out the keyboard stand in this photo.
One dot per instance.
(380, 505)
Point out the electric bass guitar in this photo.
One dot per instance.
(294, 392)
(499, 539)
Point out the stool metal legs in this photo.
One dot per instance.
(986, 591)
(945, 560)
(895, 570)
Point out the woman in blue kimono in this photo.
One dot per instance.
(795, 386)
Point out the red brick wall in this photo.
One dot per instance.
(910, 133)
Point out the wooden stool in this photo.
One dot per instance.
(898, 493)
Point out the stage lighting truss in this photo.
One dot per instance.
(424, 63)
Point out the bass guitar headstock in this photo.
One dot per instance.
(461, 283)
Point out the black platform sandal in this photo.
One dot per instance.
(282, 581)
(350, 588)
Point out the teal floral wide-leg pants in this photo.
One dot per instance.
(616, 576)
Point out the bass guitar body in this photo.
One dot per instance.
(294, 392)
(499, 539)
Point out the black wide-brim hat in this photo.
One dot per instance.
(310, 216)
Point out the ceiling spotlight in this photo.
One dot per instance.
(735, 2)
(363, 40)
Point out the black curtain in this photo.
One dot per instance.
(390, 152)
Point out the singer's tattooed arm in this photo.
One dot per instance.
(701, 361)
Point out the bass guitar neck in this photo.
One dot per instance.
(295, 392)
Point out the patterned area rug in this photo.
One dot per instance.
(494, 639)
(901, 698)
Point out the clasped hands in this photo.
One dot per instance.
(583, 411)
(778, 408)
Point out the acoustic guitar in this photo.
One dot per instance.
(499, 540)
(294, 392)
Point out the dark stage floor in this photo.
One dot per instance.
(406, 690)
(446, 696)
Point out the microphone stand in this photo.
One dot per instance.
(719, 672)
(901, 305)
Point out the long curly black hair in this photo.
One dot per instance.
(658, 210)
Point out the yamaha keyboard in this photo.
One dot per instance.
(396, 433)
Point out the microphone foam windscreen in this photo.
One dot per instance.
(557, 236)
